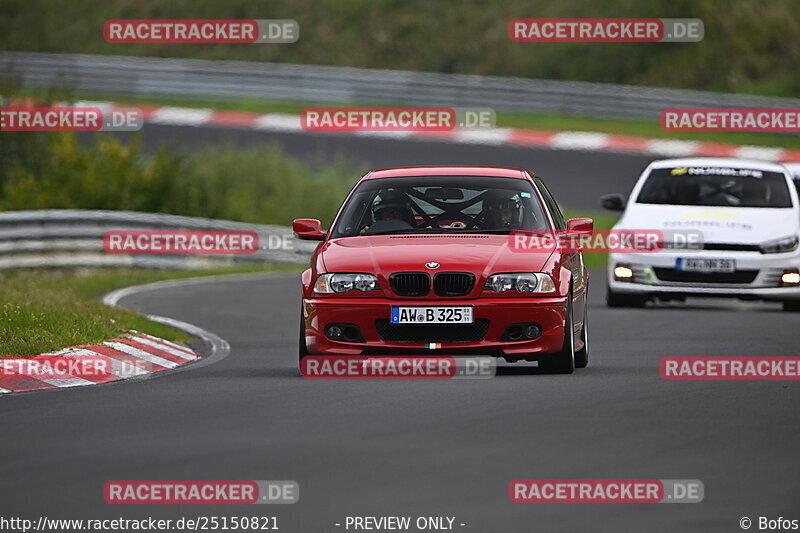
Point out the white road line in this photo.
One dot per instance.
(141, 354)
(165, 348)
(670, 147)
(278, 122)
(385, 134)
(118, 368)
(758, 152)
(182, 116)
(105, 107)
(185, 349)
(125, 370)
(483, 136)
(579, 140)
(56, 382)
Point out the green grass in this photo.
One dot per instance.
(602, 221)
(44, 310)
(532, 121)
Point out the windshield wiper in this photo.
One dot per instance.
(490, 231)
(448, 231)
(409, 230)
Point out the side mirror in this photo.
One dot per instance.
(308, 229)
(613, 202)
(580, 225)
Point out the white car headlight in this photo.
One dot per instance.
(776, 246)
(338, 283)
(528, 282)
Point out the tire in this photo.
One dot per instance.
(618, 299)
(582, 355)
(563, 362)
(792, 306)
(302, 349)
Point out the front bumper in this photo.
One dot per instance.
(365, 313)
(758, 276)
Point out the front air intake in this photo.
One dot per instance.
(410, 283)
(453, 283)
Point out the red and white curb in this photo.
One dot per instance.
(133, 354)
(564, 140)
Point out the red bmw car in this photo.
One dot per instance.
(421, 261)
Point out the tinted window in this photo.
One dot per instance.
(552, 206)
(441, 204)
(719, 187)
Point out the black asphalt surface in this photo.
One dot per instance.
(429, 447)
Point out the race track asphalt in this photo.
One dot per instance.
(429, 447)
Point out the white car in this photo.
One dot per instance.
(746, 214)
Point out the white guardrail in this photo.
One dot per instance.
(74, 238)
(236, 80)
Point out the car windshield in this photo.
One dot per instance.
(441, 204)
(718, 187)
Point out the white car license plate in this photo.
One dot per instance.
(432, 315)
(693, 264)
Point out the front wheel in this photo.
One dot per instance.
(582, 355)
(792, 306)
(302, 349)
(618, 299)
(563, 362)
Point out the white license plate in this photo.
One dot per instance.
(693, 264)
(432, 315)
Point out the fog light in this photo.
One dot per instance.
(623, 272)
(525, 331)
(344, 332)
(791, 278)
(533, 331)
(351, 333)
(515, 332)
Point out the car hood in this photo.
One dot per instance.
(384, 254)
(717, 224)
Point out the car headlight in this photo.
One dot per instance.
(338, 283)
(775, 246)
(521, 281)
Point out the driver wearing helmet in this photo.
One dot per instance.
(392, 212)
(502, 209)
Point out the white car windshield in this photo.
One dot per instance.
(718, 187)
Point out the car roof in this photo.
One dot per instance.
(724, 162)
(500, 172)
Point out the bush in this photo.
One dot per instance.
(259, 185)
